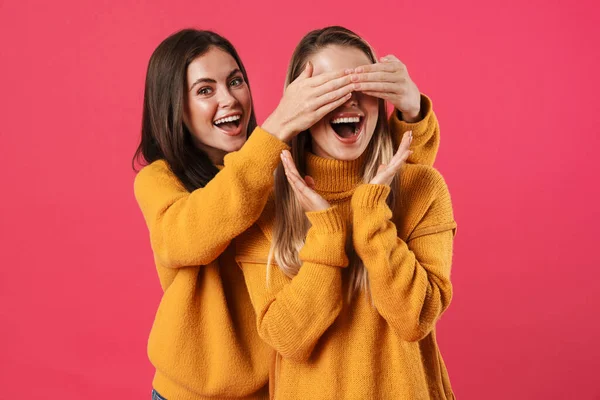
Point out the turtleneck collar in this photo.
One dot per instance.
(334, 176)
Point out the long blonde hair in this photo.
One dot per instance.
(291, 224)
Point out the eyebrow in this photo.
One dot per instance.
(209, 80)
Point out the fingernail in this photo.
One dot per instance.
(358, 70)
(348, 71)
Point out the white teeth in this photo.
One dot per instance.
(228, 119)
(350, 120)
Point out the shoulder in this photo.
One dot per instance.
(423, 200)
(155, 178)
(153, 171)
(422, 182)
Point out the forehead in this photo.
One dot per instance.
(333, 58)
(214, 64)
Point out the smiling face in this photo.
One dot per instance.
(218, 104)
(345, 133)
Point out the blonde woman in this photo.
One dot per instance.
(350, 271)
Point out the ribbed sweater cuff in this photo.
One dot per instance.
(326, 221)
(326, 239)
(416, 127)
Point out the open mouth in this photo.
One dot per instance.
(347, 127)
(229, 124)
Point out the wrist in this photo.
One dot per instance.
(411, 115)
(275, 128)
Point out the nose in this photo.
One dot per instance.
(226, 99)
(352, 101)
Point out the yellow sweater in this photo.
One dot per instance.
(204, 343)
(383, 348)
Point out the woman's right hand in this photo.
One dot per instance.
(303, 188)
(308, 99)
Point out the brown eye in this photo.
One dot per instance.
(205, 91)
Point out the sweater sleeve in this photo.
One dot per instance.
(292, 314)
(426, 133)
(410, 281)
(189, 229)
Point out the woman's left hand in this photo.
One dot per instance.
(389, 80)
(385, 173)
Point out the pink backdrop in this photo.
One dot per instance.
(515, 87)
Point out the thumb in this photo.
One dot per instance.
(308, 70)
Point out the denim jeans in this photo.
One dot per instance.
(156, 396)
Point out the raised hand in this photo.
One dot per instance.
(303, 188)
(385, 173)
(389, 80)
(307, 100)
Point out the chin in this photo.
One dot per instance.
(347, 155)
(234, 146)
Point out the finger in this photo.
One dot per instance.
(402, 154)
(320, 79)
(335, 95)
(391, 58)
(332, 85)
(404, 145)
(377, 67)
(379, 87)
(295, 183)
(379, 95)
(306, 196)
(308, 70)
(289, 165)
(378, 76)
(325, 109)
(310, 182)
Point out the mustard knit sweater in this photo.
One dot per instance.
(380, 345)
(204, 343)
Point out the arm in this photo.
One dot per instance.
(292, 314)
(410, 281)
(426, 133)
(189, 229)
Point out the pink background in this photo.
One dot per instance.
(515, 87)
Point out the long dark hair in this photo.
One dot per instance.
(164, 134)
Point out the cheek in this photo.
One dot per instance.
(243, 96)
(202, 111)
(319, 129)
(372, 110)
